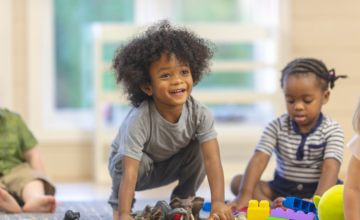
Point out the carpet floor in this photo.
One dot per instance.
(89, 210)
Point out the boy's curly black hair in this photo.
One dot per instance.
(132, 60)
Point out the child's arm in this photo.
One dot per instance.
(251, 178)
(130, 168)
(329, 176)
(215, 176)
(352, 190)
(32, 156)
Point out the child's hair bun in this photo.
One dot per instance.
(333, 77)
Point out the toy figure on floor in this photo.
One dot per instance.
(160, 211)
(192, 205)
(70, 215)
(22, 176)
(168, 135)
(352, 182)
(308, 144)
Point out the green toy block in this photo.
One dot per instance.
(275, 218)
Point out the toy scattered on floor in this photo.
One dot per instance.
(161, 211)
(192, 205)
(207, 206)
(299, 204)
(256, 212)
(70, 215)
(330, 205)
(241, 210)
(213, 217)
(292, 214)
(240, 216)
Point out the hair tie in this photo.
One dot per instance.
(333, 77)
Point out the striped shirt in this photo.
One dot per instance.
(300, 156)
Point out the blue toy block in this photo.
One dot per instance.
(299, 205)
(207, 206)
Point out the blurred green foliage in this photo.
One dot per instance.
(208, 11)
(228, 80)
(74, 60)
(72, 17)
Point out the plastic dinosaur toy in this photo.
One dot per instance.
(330, 205)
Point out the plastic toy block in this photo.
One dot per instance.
(254, 212)
(292, 214)
(207, 206)
(299, 204)
(276, 218)
(241, 210)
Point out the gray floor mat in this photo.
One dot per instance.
(96, 210)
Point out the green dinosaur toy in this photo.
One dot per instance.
(330, 205)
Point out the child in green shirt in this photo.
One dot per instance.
(22, 176)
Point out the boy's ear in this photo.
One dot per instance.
(147, 88)
(326, 97)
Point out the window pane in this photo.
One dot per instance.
(109, 83)
(230, 80)
(73, 63)
(109, 51)
(212, 11)
(234, 51)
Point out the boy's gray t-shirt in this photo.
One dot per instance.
(145, 130)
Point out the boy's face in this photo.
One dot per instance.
(304, 98)
(171, 82)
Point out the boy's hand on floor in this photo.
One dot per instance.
(222, 210)
(240, 202)
(277, 203)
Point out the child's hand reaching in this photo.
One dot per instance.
(277, 203)
(221, 210)
(240, 202)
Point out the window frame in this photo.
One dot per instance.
(48, 123)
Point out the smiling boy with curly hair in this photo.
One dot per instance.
(168, 135)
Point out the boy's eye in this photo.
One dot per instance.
(166, 75)
(290, 101)
(308, 101)
(184, 72)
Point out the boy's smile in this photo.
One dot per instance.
(171, 83)
(304, 98)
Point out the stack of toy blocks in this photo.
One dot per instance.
(254, 212)
(298, 210)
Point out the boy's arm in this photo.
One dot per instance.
(329, 176)
(32, 156)
(215, 176)
(251, 178)
(130, 168)
(352, 190)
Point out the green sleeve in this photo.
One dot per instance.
(26, 139)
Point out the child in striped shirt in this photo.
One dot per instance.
(308, 144)
(352, 182)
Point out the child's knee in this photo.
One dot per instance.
(235, 184)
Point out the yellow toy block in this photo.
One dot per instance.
(254, 212)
